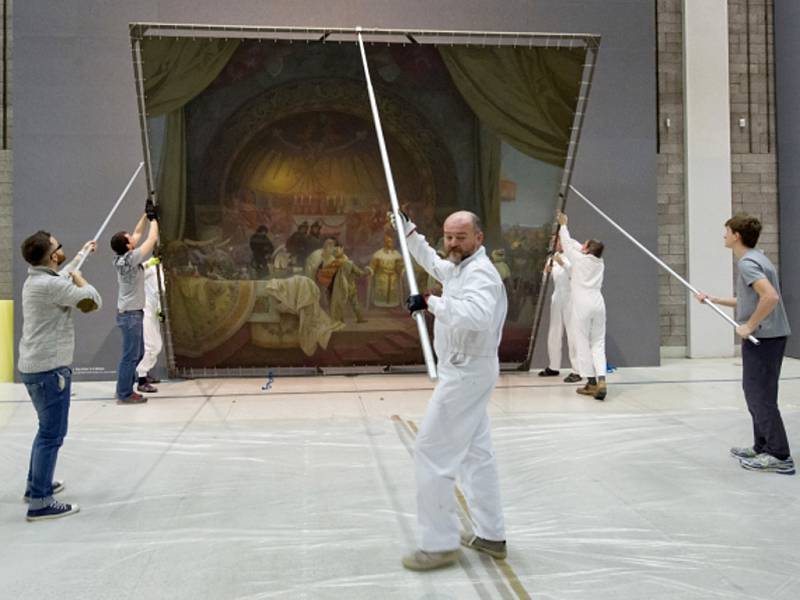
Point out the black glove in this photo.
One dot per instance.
(150, 210)
(416, 303)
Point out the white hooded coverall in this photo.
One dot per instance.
(151, 324)
(560, 316)
(588, 308)
(454, 438)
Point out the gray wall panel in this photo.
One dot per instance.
(77, 138)
(787, 89)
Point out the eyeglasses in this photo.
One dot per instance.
(57, 249)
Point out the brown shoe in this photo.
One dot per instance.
(600, 391)
(490, 547)
(587, 390)
(134, 398)
(419, 560)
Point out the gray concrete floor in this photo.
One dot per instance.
(217, 489)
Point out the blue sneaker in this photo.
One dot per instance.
(55, 510)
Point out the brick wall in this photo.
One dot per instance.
(6, 197)
(753, 158)
(670, 185)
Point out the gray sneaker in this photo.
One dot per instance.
(420, 560)
(492, 548)
(742, 452)
(769, 464)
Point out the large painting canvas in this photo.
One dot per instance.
(263, 158)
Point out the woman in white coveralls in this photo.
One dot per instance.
(560, 317)
(151, 327)
(454, 438)
(588, 309)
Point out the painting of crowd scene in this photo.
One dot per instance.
(286, 257)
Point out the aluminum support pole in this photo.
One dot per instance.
(418, 316)
(660, 262)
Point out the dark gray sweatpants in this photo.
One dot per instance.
(761, 369)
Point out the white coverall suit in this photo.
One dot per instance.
(588, 308)
(454, 438)
(151, 324)
(560, 316)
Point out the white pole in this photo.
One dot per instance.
(419, 316)
(113, 210)
(660, 262)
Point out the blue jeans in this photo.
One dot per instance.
(130, 324)
(50, 392)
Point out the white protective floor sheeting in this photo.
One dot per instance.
(217, 489)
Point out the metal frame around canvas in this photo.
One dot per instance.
(140, 31)
(566, 178)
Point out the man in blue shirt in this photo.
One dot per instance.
(760, 312)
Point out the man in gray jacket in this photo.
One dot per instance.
(45, 356)
(454, 438)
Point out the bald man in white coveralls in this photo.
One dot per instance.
(454, 438)
(588, 320)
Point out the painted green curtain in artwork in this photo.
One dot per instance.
(489, 159)
(526, 97)
(175, 70)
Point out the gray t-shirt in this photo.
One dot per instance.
(48, 335)
(755, 265)
(130, 276)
